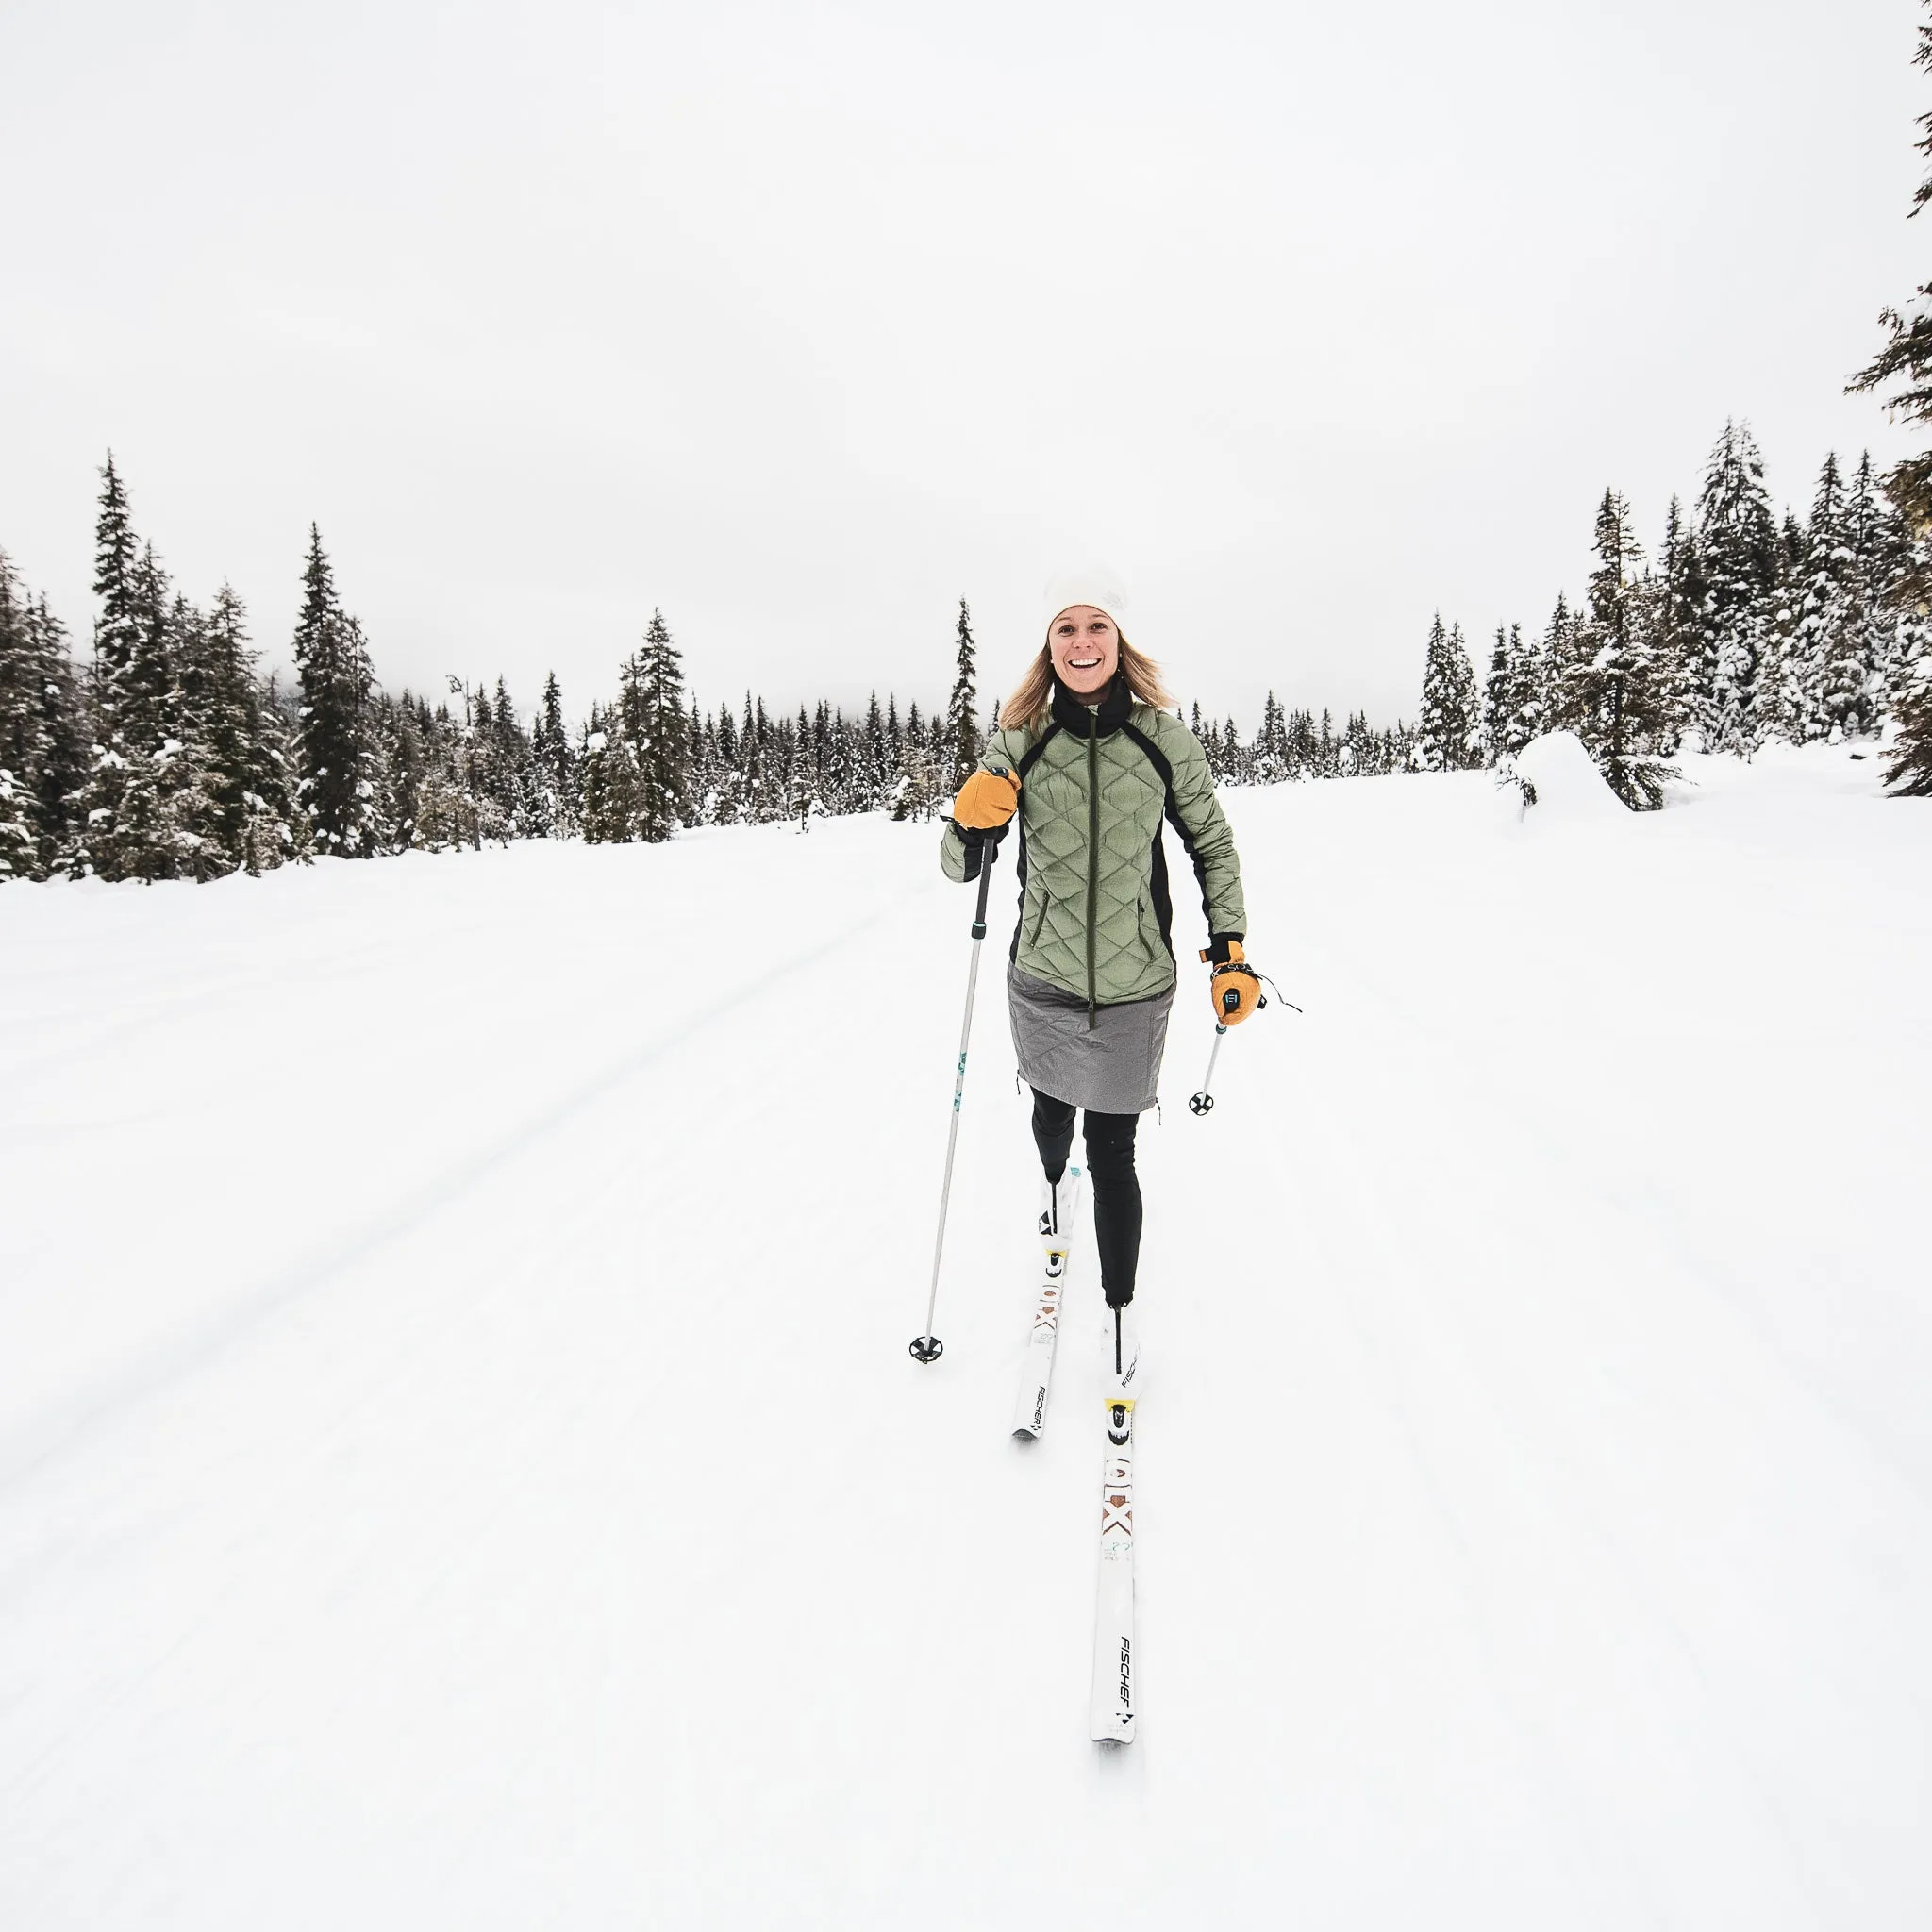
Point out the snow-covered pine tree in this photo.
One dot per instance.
(333, 746)
(873, 770)
(1518, 696)
(1499, 700)
(1613, 691)
(1304, 751)
(17, 840)
(278, 828)
(1737, 540)
(753, 768)
(962, 706)
(916, 787)
(515, 764)
(43, 735)
(1875, 535)
(625, 814)
(1235, 767)
(611, 763)
(1451, 720)
(20, 747)
(774, 764)
(701, 762)
(246, 792)
(804, 803)
(396, 727)
(1269, 758)
(126, 830)
(1809, 698)
(554, 812)
(1783, 703)
(728, 790)
(753, 778)
(664, 755)
(1682, 639)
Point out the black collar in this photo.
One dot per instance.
(1072, 716)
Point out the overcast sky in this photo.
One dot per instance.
(801, 322)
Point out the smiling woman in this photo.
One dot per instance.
(1090, 765)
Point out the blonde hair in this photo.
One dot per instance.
(1031, 696)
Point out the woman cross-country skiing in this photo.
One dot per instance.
(1091, 763)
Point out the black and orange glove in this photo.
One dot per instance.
(1236, 987)
(986, 802)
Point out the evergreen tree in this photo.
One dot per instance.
(127, 830)
(962, 724)
(1270, 759)
(1682, 639)
(1875, 535)
(1499, 701)
(873, 770)
(701, 762)
(242, 799)
(1800, 700)
(333, 743)
(729, 793)
(1237, 768)
(1613, 690)
(275, 830)
(399, 730)
(43, 744)
(917, 793)
(1739, 544)
(663, 754)
(763, 768)
(1448, 733)
(556, 814)
(613, 779)
(1522, 698)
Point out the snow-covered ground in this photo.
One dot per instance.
(459, 1464)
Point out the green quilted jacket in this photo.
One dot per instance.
(1095, 788)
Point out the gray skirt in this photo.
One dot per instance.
(1113, 1069)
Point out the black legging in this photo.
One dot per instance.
(1116, 1187)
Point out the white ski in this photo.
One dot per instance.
(1059, 1214)
(1112, 1713)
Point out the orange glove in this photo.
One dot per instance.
(1234, 985)
(986, 801)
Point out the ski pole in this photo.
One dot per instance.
(927, 1347)
(1203, 1102)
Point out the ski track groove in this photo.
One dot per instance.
(1586, 1204)
(27, 1447)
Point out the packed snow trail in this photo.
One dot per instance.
(461, 1465)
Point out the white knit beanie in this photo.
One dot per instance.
(1094, 586)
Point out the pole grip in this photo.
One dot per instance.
(989, 851)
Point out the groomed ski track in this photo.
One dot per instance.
(460, 1462)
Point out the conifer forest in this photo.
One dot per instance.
(162, 752)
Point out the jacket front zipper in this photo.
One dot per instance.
(1093, 854)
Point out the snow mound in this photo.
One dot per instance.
(1559, 780)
